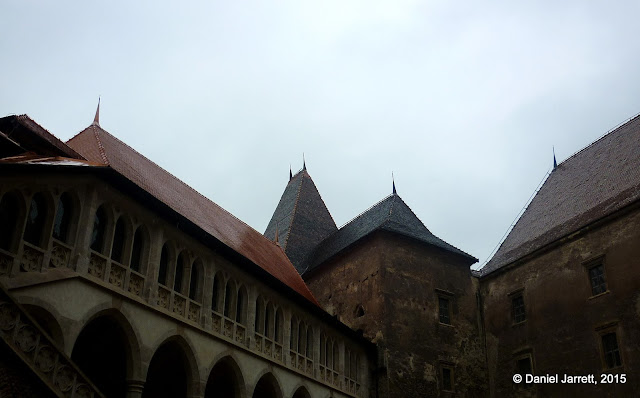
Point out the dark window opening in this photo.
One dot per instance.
(99, 226)
(598, 283)
(36, 220)
(177, 281)
(62, 222)
(444, 310)
(117, 248)
(164, 264)
(517, 309)
(138, 250)
(611, 352)
(193, 283)
(215, 296)
(447, 379)
(359, 311)
(240, 307)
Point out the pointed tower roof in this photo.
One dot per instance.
(390, 214)
(301, 219)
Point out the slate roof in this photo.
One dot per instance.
(390, 214)
(301, 219)
(593, 183)
(17, 133)
(97, 145)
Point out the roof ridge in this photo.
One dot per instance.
(295, 207)
(103, 154)
(610, 131)
(367, 210)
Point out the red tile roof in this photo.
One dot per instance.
(97, 145)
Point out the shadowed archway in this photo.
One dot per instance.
(169, 374)
(225, 380)
(267, 387)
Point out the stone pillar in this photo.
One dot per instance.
(134, 388)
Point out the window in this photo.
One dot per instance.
(596, 277)
(278, 326)
(447, 377)
(177, 280)
(194, 282)
(36, 219)
(444, 310)
(240, 306)
(137, 252)
(359, 312)
(164, 264)
(524, 366)
(99, 226)
(215, 295)
(517, 308)
(62, 222)
(119, 237)
(230, 296)
(611, 352)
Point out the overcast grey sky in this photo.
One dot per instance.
(462, 100)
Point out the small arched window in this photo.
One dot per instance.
(164, 265)
(230, 299)
(215, 295)
(9, 209)
(62, 222)
(180, 266)
(241, 306)
(301, 338)
(259, 316)
(138, 249)
(268, 321)
(99, 227)
(36, 218)
(309, 342)
(194, 282)
(278, 326)
(119, 237)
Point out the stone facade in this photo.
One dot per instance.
(210, 325)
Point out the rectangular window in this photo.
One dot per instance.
(447, 378)
(517, 309)
(444, 310)
(611, 352)
(598, 282)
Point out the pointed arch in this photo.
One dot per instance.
(217, 294)
(140, 249)
(225, 378)
(120, 238)
(195, 280)
(301, 392)
(173, 369)
(267, 386)
(241, 306)
(178, 278)
(37, 220)
(166, 254)
(98, 233)
(230, 296)
(65, 221)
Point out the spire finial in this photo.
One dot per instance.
(96, 119)
(555, 164)
(304, 163)
(393, 181)
(290, 173)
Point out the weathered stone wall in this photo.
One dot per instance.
(564, 322)
(398, 280)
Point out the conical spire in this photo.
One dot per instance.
(96, 119)
(555, 164)
(393, 181)
(290, 173)
(304, 163)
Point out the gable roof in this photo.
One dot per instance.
(595, 182)
(20, 134)
(97, 145)
(301, 219)
(390, 214)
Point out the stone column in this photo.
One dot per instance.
(134, 388)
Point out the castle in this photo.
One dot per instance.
(119, 280)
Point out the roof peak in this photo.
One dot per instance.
(96, 118)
